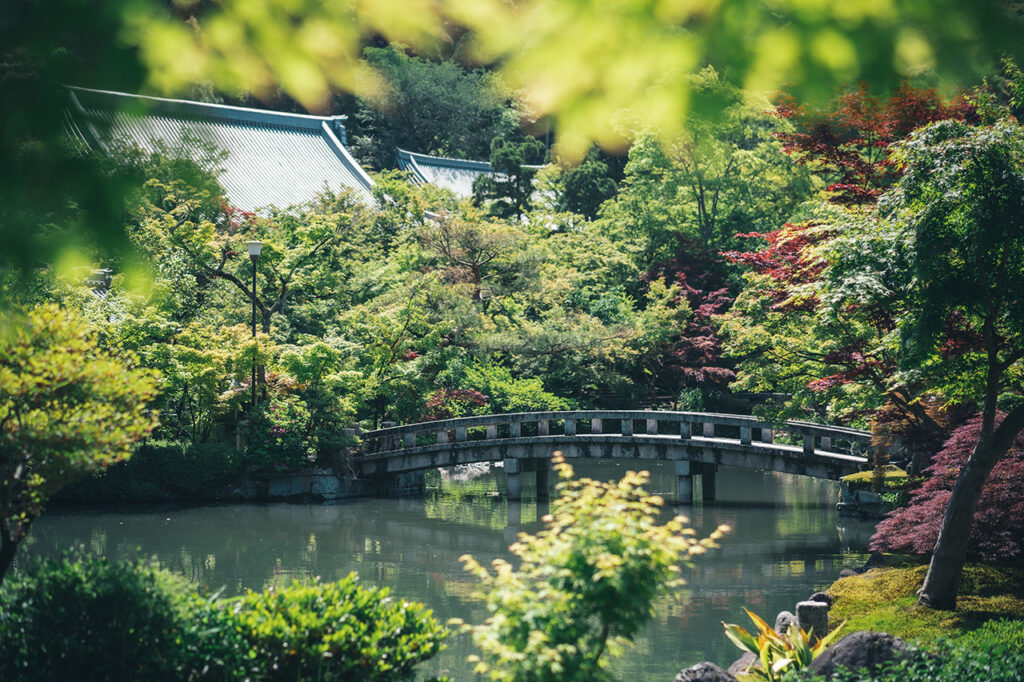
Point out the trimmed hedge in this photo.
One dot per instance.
(163, 470)
(96, 620)
(333, 631)
(93, 620)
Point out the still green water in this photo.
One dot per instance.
(787, 542)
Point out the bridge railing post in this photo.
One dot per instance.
(442, 436)
(627, 427)
(570, 427)
(514, 429)
(826, 443)
(745, 435)
(387, 443)
(410, 439)
(492, 432)
(543, 427)
(652, 427)
(685, 430)
(460, 433)
(808, 443)
(595, 425)
(709, 429)
(766, 436)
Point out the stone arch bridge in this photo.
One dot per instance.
(696, 442)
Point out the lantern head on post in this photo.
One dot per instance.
(255, 247)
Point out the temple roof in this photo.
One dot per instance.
(274, 158)
(456, 175)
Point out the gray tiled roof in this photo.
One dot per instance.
(273, 158)
(456, 175)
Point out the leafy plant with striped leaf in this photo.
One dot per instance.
(778, 652)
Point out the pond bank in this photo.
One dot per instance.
(884, 627)
(990, 606)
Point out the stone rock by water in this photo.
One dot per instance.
(848, 573)
(813, 617)
(858, 650)
(740, 665)
(875, 560)
(822, 597)
(783, 621)
(704, 672)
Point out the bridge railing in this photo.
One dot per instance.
(696, 426)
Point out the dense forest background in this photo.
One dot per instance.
(831, 254)
(697, 275)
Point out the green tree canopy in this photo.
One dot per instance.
(429, 107)
(960, 209)
(600, 71)
(66, 409)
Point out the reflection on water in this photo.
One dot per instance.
(786, 543)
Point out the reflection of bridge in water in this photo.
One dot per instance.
(696, 442)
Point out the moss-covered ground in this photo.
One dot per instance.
(989, 612)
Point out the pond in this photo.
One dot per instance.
(787, 542)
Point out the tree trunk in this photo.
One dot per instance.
(8, 548)
(943, 579)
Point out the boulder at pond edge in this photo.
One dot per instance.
(704, 672)
(864, 649)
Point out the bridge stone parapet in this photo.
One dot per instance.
(697, 441)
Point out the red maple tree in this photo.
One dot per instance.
(848, 144)
(693, 357)
(997, 532)
(445, 403)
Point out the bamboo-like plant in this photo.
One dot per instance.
(778, 652)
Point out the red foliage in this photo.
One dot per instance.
(786, 261)
(960, 338)
(997, 533)
(444, 403)
(848, 146)
(694, 358)
(235, 219)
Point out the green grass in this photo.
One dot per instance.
(989, 612)
(891, 476)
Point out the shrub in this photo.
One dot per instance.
(997, 532)
(333, 631)
(96, 620)
(586, 583)
(281, 438)
(777, 653)
(508, 394)
(162, 470)
(952, 664)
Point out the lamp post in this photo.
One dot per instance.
(255, 247)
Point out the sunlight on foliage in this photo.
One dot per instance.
(601, 69)
(585, 584)
(66, 409)
(778, 653)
